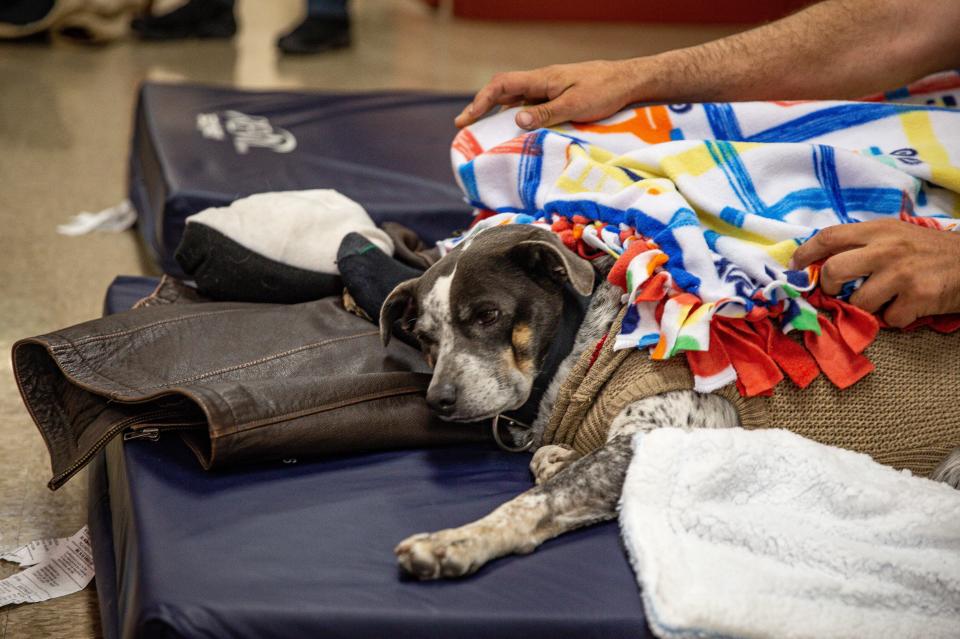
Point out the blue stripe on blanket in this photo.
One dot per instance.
(733, 216)
(630, 319)
(683, 217)
(711, 238)
(799, 279)
(531, 161)
(844, 116)
(727, 158)
(606, 214)
(718, 160)
(825, 167)
(469, 179)
(730, 272)
(669, 245)
(740, 172)
(723, 121)
(870, 200)
(854, 199)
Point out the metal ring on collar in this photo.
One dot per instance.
(503, 445)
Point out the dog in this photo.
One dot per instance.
(486, 316)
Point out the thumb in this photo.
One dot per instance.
(549, 113)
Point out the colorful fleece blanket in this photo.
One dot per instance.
(703, 205)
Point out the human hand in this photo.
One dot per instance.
(912, 270)
(581, 92)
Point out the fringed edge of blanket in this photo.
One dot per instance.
(742, 341)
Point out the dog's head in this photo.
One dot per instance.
(485, 315)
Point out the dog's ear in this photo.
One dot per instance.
(401, 304)
(554, 260)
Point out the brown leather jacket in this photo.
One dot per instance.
(239, 382)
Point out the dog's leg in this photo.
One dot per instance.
(586, 492)
(580, 493)
(551, 459)
(949, 470)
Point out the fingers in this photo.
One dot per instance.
(900, 295)
(472, 113)
(509, 105)
(877, 290)
(885, 290)
(827, 242)
(844, 267)
(562, 109)
(885, 287)
(901, 313)
(504, 88)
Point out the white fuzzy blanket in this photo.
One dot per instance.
(736, 533)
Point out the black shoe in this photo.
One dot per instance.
(196, 19)
(315, 35)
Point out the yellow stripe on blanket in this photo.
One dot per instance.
(695, 161)
(595, 167)
(920, 133)
(698, 160)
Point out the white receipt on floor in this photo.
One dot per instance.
(114, 219)
(54, 568)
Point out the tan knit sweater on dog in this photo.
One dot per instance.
(905, 414)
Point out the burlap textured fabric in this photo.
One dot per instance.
(905, 414)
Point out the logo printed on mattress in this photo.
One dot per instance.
(246, 130)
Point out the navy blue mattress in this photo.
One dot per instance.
(195, 147)
(305, 549)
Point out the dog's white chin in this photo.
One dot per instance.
(467, 419)
(489, 414)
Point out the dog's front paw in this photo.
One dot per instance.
(448, 553)
(550, 460)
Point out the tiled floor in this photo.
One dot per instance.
(65, 115)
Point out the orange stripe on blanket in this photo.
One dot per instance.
(650, 124)
(515, 146)
(466, 144)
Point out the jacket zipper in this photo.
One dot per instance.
(112, 432)
(152, 432)
(58, 481)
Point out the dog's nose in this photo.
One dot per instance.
(442, 398)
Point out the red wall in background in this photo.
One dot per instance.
(675, 11)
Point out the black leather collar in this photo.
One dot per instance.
(574, 310)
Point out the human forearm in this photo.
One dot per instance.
(834, 49)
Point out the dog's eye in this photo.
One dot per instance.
(488, 317)
(410, 324)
